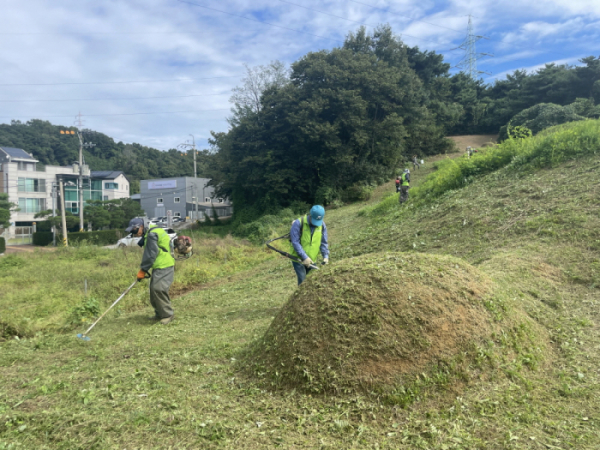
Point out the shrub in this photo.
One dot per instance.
(104, 237)
(357, 193)
(2, 245)
(42, 238)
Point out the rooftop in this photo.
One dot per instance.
(106, 174)
(18, 153)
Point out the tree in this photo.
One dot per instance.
(246, 98)
(5, 208)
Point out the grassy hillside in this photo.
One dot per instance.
(531, 225)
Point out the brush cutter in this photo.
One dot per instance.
(286, 254)
(84, 336)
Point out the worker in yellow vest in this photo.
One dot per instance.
(308, 237)
(404, 186)
(157, 256)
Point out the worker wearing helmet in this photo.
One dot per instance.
(157, 256)
(308, 237)
(404, 186)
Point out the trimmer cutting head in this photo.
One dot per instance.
(83, 337)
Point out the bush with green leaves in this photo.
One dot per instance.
(43, 238)
(104, 237)
(542, 116)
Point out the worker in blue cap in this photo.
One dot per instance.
(308, 237)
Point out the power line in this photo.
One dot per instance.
(118, 82)
(134, 114)
(108, 99)
(350, 20)
(406, 17)
(256, 20)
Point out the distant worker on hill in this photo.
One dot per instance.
(308, 237)
(416, 163)
(469, 151)
(157, 256)
(404, 186)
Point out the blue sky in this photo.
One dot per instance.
(156, 71)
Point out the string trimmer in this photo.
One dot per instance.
(84, 336)
(286, 254)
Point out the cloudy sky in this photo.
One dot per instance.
(156, 71)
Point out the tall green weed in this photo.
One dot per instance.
(549, 148)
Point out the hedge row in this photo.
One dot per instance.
(104, 237)
(2, 245)
(42, 238)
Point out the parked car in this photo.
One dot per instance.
(130, 241)
(177, 219)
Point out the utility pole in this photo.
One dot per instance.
(81, 145)
(193, 147)
(53, 214)
(64, 217)
(469, 62)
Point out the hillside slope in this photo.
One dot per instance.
(534, 233)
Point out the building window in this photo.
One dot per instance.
(220, 200)
(176, 199)
(31, 184)
(159, 201)
(32, 205)
(111, 186)
(206, 199)
(177, 214)
(106, 197)
(29, 167)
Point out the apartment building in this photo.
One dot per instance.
(34, 190)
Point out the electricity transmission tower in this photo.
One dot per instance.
(469, 63)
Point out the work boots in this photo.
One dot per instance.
(167, 320)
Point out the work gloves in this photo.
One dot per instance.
(141, 275)
(325, 261)
(307, 262)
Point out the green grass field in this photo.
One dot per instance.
(533, 227)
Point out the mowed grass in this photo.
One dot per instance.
(138, 385)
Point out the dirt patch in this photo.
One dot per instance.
(474, 140)
(376, 322)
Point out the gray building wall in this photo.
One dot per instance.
(177, 195)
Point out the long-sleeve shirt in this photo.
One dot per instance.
(150, 251)
(295, 238)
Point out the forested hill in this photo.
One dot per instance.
(44, 141)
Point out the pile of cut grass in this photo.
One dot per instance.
(383, 323)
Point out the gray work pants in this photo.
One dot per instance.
(159, 291)
(403, 193)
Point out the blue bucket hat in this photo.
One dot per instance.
(317, 213)
(136, 222)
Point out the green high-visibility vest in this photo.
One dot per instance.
(404, 180)
(164, 258)
(310, 243)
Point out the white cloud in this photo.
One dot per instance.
(69, 41)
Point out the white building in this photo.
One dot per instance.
(32, 189)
